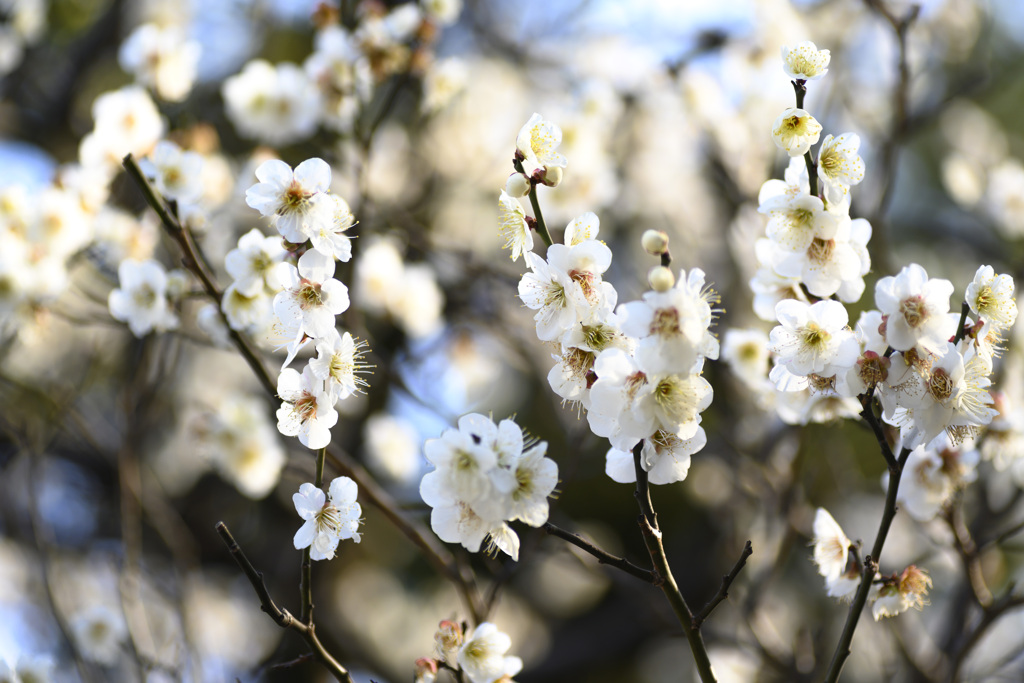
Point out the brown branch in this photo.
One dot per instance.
(860, 599)
(602, 556)
(281, 617)
(648, 521)
(967, 549)
(723, 592)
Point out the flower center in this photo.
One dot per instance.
(305, 406)
(310, 295)
(821, 250)
(144, 296)
(914, 310)
(296, 198)
(665, 322)
(816, 337)
(940, 386)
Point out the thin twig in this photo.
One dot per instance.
(542, 227)
(648, 521)
(900, 127)
(800, 88)
(281, 617)
(967, 549)
(868, 414)
(723, 592)
(602, 556)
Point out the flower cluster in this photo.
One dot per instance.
(328, 521)
(283, 103)
(840, 564)
(485, 476)
(478, 654)
(307, 297)
(635, 369)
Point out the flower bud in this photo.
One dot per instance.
(661, 279)
(447, 641)
(517, 185)
(552, 176)
(654, 242)
(177, 284)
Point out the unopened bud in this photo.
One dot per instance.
(426, 670)
(654, 242)
(661, 279)
(447, 641)
(552, 176)
(517, 185)
(177, 284)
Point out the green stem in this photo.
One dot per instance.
(800, 88)
(542, 228)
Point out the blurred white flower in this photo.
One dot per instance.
(141, 298)
(99, 632)
(161, 58)
(276, 104)
(176, 174)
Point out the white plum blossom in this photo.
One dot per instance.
(276, 104)
(298, 199)
(255, 263)
(141, 298)
(794, 224)
(339, 363)
(813, 340)
(953, 396)
(665, 457)
(311, 297)
(839, 166)
(555, 296)
(932, 474)
(794, 131)
(897, 594)
(517, 234)
(915, 310)
(175, 173)
(805, 62)
(990, 297)
(831, 545)
(746, 352)
(485, 476)
(99, 633)
(536, 142)
(162, 59)
(307, 410)
(482, 655)
(327, 522)
(328, 236)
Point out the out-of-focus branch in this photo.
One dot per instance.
(602, 556)
(880, 248)
(281, 617)
(989, 616)
(967, 549)
(648, 521)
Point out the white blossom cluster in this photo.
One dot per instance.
(635, 368)
(929, 367)
(307, 296)
(279, 104)
(485, 476)
(813, 260)
(161, 58)
(478, 654)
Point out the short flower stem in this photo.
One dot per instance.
(800, 88)
(842, 650)
(648, 521)
(542, 228)
(306, 569)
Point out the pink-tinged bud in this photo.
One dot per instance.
(447, 642)
(426, 670)
(517, 185)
